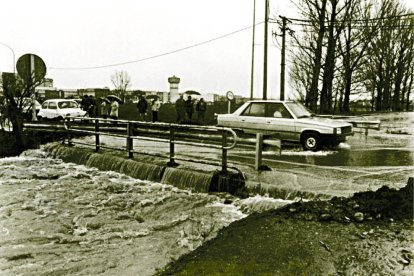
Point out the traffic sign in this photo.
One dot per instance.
(229, 95)
(31, 68)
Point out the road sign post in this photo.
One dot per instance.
(230, 97)
(32, 70)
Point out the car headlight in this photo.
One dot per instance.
(338, 130)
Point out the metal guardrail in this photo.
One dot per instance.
(356, 121)
(174, 134)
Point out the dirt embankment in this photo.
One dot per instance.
(31, 140)
(369, 233)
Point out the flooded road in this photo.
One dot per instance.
(61, 218)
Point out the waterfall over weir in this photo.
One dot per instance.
(132, 168)
(186, 179)
(182, 178)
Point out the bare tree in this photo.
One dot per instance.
(389, 57)
(16, 90)
(121, 81)
(357, 34)
(353, 48)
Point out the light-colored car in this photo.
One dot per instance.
(59, 109)
(287, 121)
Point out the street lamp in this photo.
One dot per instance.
(14, 56)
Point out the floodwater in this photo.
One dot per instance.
(392, 145)
(62, 218)
(345, 155)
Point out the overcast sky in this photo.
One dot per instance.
(152, 37)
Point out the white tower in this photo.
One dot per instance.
(174, 81)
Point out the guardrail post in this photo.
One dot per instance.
(259, 149)
(97, 142)
(172, 162)
(224, 153)
(68, 131)
(129, 144)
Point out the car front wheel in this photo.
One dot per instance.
(311, 141)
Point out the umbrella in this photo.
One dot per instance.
(105, 99)
(116, 98)
(192, 92)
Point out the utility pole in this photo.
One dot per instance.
(283, 63)
(252, 72)
(33, 93)
(265, 51)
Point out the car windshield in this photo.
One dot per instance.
(299, 110)
(68, 104)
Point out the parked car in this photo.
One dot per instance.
(59, 109)
(288, 121)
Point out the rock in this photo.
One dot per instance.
(228, 201)
(325, 217)
(359, 216)
(404, 261)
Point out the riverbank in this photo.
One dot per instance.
(31, 140)
(369, 233)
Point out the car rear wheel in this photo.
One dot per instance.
(39, 118)
(311, 141)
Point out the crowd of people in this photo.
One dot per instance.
(100, 107)
(184, 109)
(147, 109)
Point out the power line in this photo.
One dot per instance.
(357, 20)
(156, 56)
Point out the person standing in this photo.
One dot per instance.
(105, 107)
(92, 107)
(114, 110)
(142, 106)
(156, 104)
(85, 103)
(201, 110)
(180, 109)
(189, 108)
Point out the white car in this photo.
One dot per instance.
(287, 121)
(59, 109)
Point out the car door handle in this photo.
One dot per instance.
(243, 120)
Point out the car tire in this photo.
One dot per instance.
(311, 141)
(40, 118)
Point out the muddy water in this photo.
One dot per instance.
(61, 218)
